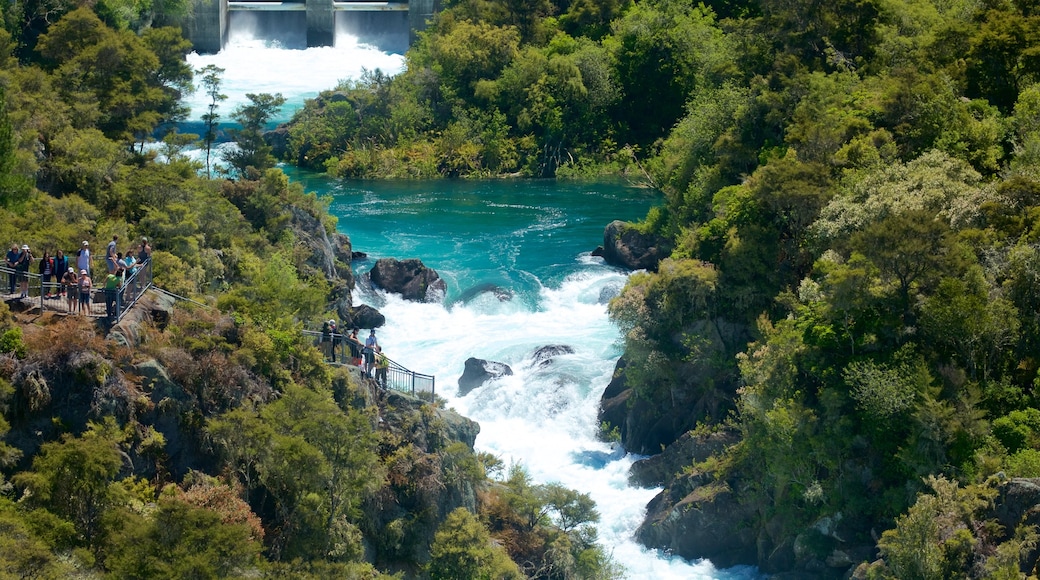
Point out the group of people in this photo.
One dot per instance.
(59, 277)
(367, 356)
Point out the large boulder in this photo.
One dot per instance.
(361, 316)
(627, 247)
(278, 139)
(409, 278)
(479, 371)
(703, 389)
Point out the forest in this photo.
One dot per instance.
(849, 299)
(208, 438)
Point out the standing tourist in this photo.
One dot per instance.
(46, 273)
(83, 257)
(382, 364)
(25, 260)
(84, 284)
(61, 264)
(370, 352)
(326, 339)
(110, 255)
(145, 252)
(111, 295)
(12, 261)
(71, 285)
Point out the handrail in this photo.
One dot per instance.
(397, 377)
(134, 286)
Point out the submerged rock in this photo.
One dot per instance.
(544, 355)
(502, 294)
(479, 371)
(409, 278)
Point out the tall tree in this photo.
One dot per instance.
(211, 81)
(13, 187)
(253, 156)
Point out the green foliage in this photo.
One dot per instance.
(253, 155)
(179, 540)
(24, 551)
(462, 550)
(14, 187)
(1018, 429)
(211, 81)
(886, 392)
(74, 478)
(11, 341)
(314, 461)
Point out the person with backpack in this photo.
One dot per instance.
(382, 365)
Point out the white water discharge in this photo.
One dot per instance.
(544, 415)
(254, 65)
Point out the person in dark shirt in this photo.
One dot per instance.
(11, 262)
(61, 264)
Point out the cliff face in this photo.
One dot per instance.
(330, 255)
(702, 389)
(163, 374)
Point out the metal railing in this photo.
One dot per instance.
(397, 377)
(53, 295)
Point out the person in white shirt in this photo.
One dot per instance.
(83, 257)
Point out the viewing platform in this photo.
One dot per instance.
(48, 296)
(398, 377)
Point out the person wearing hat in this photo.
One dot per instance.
(71, 284)
(25, 259)
(336, 338)
(85, 284)
(83, 257)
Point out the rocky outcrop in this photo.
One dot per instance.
(1018, 503)
(663, 468)
(627, 247)
(700, 518)
(362, 316)
(409, 278)
(703, 388)
(544, 356)
(278, 139)
(479, 371)
(328, 254)
(153, 308)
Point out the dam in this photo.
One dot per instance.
(210, 20)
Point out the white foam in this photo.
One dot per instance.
(256, 66)
(544, 416)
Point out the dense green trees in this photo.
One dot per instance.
(219, 445)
